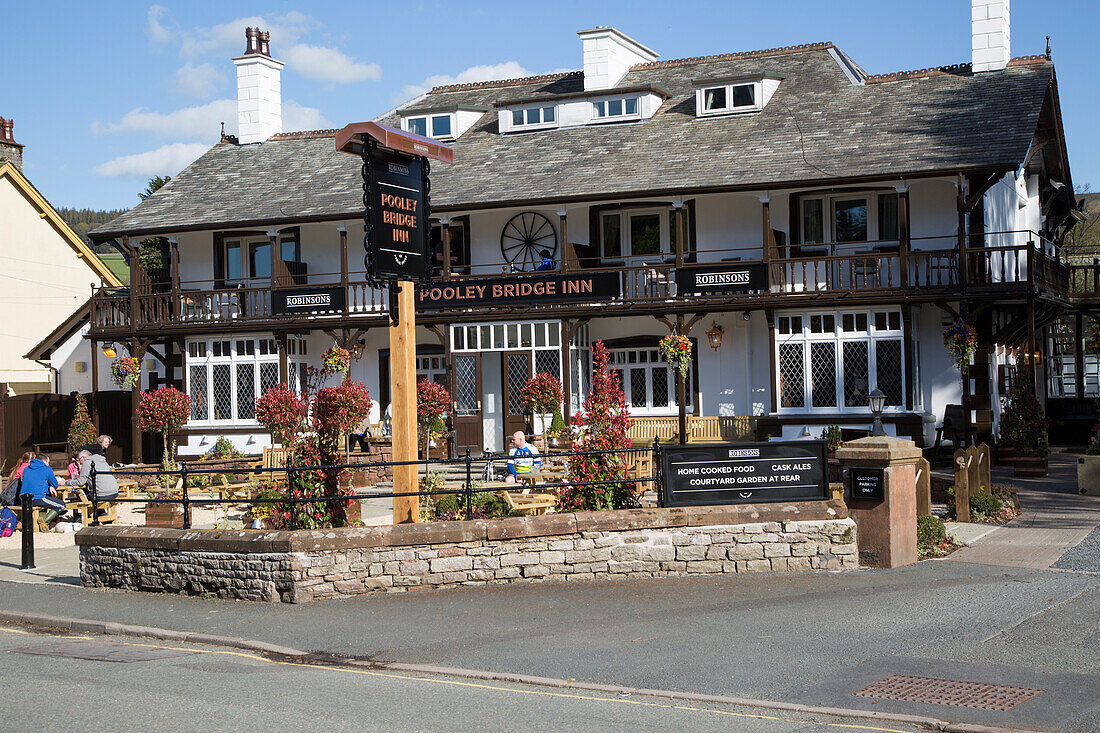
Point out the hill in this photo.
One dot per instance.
(84, 220)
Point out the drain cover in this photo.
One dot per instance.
(101, 651)
(949, 692)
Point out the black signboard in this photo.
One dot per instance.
(533, 289)
(744, 473)
(867, 483)
(398, 241)
(729, 277)
(312, 300)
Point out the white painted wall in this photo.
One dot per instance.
(42, 281)
(259, 98)
(608, 55)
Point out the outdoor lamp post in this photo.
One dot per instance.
(877, 400)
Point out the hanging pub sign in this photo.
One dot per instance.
(744, 473)
(729, 277)
(313, 300)
(520, 290)
(396, 205)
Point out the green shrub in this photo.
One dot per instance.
(450, 504)
(984, 505)
(198, 481)
(831, 436)
(930, 531)
(223, 448)
(494, 506)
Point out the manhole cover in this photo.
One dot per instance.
(102, 651)
(949, 692)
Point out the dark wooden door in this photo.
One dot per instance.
(468, 418)
(515, 372)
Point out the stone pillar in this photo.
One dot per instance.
(886, 527)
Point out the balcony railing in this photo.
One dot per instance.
(931, 264)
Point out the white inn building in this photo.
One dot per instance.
(824, 224)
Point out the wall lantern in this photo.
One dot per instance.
(714, 336)
(109, 350)
(877, 400)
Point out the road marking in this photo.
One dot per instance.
(482, 686)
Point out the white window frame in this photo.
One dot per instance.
(828, 212)
(838, 337)
(542, 124)
(598, 119)
(429, 124)
(209, 360)
(729, 109)
(620, 360)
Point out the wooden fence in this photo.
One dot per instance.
(33, 420)
(713, 429)
(972, 476)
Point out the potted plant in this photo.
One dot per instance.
(961, 341)
(1088, 465)
(559, 431)
(432, 403)
(1024, 429)
(126, 371)
(81, 430)
(542, 395)
(162, 411)
(336, 361)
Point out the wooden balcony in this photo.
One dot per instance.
(863, 272)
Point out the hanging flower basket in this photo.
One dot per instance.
(336, 360)
(126, 371)
(961, 341)
(676, 350)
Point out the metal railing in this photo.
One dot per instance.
(293, 493)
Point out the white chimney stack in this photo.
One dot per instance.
(608, 55)
(259, 90)
(990, 35)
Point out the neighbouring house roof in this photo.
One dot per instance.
(83, 251)
(826, 121)
(64, 331)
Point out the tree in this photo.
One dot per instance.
(151, 250)
(1023, 424)
(155, 183)
(81, 430)
(601, 425)
(432, 403)
(162, 411)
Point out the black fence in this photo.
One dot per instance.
(487, 463)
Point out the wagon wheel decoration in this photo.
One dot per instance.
(524, 239)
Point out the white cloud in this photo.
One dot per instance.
(158, 32)
(166, 160)
(328, 64)
(203, 122)
(198, 81)
(489, 72)
(285, 29)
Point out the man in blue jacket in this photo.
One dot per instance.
(40, 482)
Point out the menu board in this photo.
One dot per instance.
(744, 473)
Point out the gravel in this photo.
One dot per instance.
(1085, 556)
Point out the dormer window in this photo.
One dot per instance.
(439, 127)
(532, 117)
(615, 109)
(733, 96)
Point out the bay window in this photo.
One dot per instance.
(225, 377)
(833, 361)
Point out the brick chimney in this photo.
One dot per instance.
(259, 89)
(989, 35)
(608, 55)
(9, 149)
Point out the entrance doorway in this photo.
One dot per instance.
(516, 370)
(468, 416)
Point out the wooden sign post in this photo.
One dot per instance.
(403, 412)
(397, 227)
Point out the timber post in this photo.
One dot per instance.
(403, 411)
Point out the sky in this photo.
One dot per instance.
(106, 95)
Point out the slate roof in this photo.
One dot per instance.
(817, 126)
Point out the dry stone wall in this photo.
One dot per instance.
(303, 566)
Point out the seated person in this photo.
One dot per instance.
(100, 446)
(74, 468)
(523, 458)
(24, 460)
(106, 488)
(40, 482)
(361, 435)
(548, 262)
